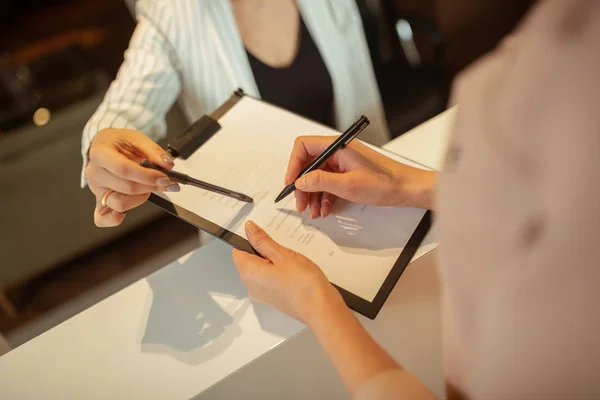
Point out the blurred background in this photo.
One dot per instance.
(57, 58)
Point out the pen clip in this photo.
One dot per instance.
(362, 124)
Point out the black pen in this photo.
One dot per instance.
(184, 179)
(341, 142)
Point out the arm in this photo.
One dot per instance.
(296, 286)
(147, 83)
(366, 369)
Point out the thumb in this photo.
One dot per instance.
(323, 181)
(247, 263)
(153, 152)
(266, 247)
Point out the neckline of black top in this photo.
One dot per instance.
(304, 87)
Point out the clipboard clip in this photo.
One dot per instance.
(193, 137)
(200, 131)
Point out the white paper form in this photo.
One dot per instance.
(356, 246)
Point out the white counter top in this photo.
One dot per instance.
(175, 333)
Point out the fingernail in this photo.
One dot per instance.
(104, 211)
(173, 188)
(326, 205)
(163, 181)
(300, 183)
(168, 159)
(251, 227)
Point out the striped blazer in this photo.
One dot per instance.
(191, 51)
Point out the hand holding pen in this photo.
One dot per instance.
(338, 144)
(356, 173)
(115, 177)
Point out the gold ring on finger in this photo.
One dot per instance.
(105, 197)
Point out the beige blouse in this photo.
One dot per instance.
(519, 216)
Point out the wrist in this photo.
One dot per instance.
(325, 303)
(417, 189)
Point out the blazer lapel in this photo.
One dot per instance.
(230, 48)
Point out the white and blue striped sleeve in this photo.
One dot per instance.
(148, 81)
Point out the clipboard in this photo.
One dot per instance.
(200, 133)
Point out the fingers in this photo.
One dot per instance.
(153, 152)
(305, 149)
(315, 205)
(123, 203)
(263, 243)
(104, 217)
(323, 181)
(319, 204)
(123, 167)
(117, 204)
(302, 199)
(247, 263)
(327, 200)
(114, 157)
(250, 266)
(103, 178)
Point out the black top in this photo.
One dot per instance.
(304, 87)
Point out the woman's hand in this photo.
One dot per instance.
(294, 285)
(114, 157)
(283, 279)
(356, 173)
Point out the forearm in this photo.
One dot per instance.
(146, 86)
(355, 355)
